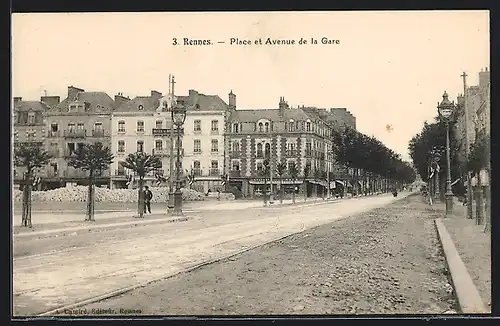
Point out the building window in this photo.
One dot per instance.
(140, 126)
(259, 150)
(121, 169)
(268, 150)
(121, 126)
(159, 124)
(291, 165)
(30, 135)
(267, 126)
(215, 125)
(197, 146)
(79, 126)
(159, 144)
(71, 126)
(54, 128)
(214, 168)
(261, 126)
(121, 146)
(260, 166)
(308, 126)
(235, 165)
(140, 107)
(215, 145)
(98, 126)
(140, 146)
(197, 125)
(31, 118)
(236, 146)
(236, 128)
(197, 165)
(291, 126)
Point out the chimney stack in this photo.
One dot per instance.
(120, 99)
(51, 100)
(156, 94)
(73, 92)
(232, 100)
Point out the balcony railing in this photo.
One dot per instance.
(100, 133)
(166, 131)
(235, 153)
(214, 172)
(75, 133)
(292, 152)
(75, 174)
(119, 172)
(162, 152)
(53, 134)
(234, 173)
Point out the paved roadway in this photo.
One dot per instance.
(55, 279)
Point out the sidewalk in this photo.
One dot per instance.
(65, 228)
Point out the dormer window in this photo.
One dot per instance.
(261, 126)
(267, 126)
(98, 107)
(236, 128)
(308, 126)
(291, 126)
(140, 107)
(31, 118)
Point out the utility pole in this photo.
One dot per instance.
(467, 149)
(171, 83)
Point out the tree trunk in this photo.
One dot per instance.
(304, 186)
(281, 191)
(479, 201)
(140, 196)
(487, 198)
(293, 193)
(28, 215)
(90, 198)
(24, 221)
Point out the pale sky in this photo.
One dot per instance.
(389, 68)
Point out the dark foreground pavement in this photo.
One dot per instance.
(386, 261)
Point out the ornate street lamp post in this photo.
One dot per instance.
(178, 118)
(445, 110)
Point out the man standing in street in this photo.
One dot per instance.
(148, 195)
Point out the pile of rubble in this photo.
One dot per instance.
(80, 193)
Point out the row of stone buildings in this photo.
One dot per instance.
(477, 100)
(218, 138)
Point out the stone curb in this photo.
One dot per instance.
(101, 226)
(468, 297)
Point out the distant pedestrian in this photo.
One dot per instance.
(148, 195)
(218, 194)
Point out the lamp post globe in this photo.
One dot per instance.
(445, 110)
(178, 118)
